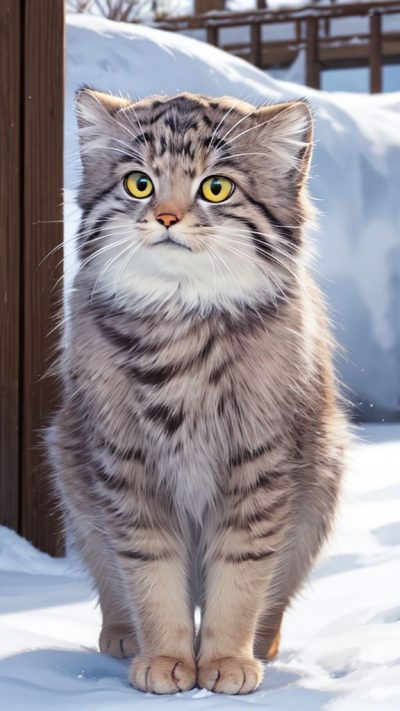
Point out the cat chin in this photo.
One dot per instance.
(183, 280)
(152, 290)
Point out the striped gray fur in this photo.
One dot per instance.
(199, 451)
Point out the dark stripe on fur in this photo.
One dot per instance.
(163, 374)
(218, 372)
(249, 455)
(244, 521)
(88, 206)
(286, 232)
(264, 480)
(127, 455)
(143, 557)
(262, 247)
(269, 533)
(245, 557)
(124, 342)
(110, 481)
(162, 414)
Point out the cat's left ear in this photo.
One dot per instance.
(287, 132)
(95, 112)
(93, 107)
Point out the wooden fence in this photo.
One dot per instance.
(310, 30)
(31, 168)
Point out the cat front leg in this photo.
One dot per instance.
(239, 564)
(153, 563)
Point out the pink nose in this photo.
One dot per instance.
(167, 218)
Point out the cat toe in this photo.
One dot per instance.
(117, 642)
(162, 675)
(230, 675)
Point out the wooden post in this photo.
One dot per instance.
(298, 30)
(375, 61)
(43, 181)
(256, 46)
(10, 218)
(312, 64)
(213, 34)
(31, 165)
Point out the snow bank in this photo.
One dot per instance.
(340, 648)
(355, 181)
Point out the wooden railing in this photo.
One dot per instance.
(311, 32)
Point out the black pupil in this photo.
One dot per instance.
(216, 186)
(141, 184)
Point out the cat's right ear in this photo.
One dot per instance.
(95, 112)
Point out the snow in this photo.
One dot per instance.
(355, 181)
(340, 648)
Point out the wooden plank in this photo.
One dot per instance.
(10, 202)
(256, 47)
(312, 64)
(43, 181)
(212, 35)
(375, 67)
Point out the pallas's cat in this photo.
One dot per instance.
(199, 449)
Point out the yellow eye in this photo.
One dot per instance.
(216, 188)
(138, 185)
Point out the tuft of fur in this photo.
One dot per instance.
(200, 448)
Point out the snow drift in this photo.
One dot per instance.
(355, 182)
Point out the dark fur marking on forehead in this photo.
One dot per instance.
(216, 144)
(214, 104)
(163, 146)
(144, 137)
(207, 120)
(219, 143)
(171, 123)
(151, 120)
(188, 150)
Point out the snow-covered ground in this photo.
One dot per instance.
(341, 640)
(355, 180)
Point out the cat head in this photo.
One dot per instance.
(192, 199)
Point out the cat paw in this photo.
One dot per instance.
(162, 675)
(230, 675)
(117, 642)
